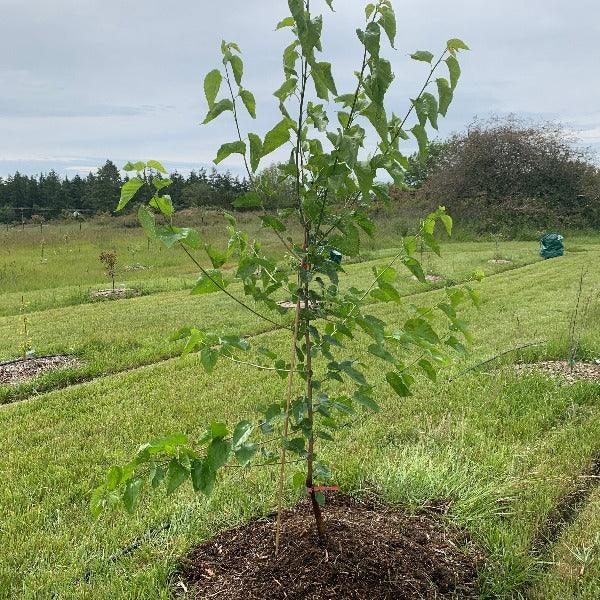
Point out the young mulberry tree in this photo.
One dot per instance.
(340, 143)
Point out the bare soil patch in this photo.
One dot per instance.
(110, 294)
(431, 278)
(373, 551)
(18, 371)
(501, 261)
(563, 370)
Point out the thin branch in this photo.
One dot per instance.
(227, 293)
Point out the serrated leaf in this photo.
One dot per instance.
(176, 475)
(422, 329)
(131, 494)
(245, 453)
(256, 150)
(421, 136)
(428, 369)
(287, 22)
(278, 136)
(388, 22)
(212, 84)
(398, 384)
(456, 44)
(210, 282)
(203, 477)
(273, 223)
(431, 105)
(445, 95)
(453, 70)
(217, 257)
(218, 453)
(286, 89)
(157, 166)
(217, 109)
(237, 67)
(414, 266)
(422, 55)
(230, 148)
(249, 102)
(128, 191)
(162, 203)
(241, 433)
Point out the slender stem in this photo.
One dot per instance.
(286, 424)
(222, 288)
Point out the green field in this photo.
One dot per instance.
(503, 447)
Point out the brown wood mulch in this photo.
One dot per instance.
(563, 370)
(18, 371)
(373, 551)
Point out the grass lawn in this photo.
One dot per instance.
(502, 447)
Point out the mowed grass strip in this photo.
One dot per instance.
(111, 336)
(502, 448)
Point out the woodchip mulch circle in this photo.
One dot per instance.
(18, 371)
(373, 551)
(562, 369)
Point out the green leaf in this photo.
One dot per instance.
(218, 430)
(208, 357)
(212, 84)
(217, 257)
(128, 191)
(156, 165)
(238, 68)
(287, 22)
(230, 148)
(428, 369)
(249, 102)
(431, 105)
(447, 222)
(163, 204)
(241, 433)
(210, 282)
(422, 329)
(445, 94)
(248, 200)
(218, 453)
(366, 401)
(147, 221)
(131, 494)
(421, 135)
(256, 150)
(245, 453)
(422, 55)
(176, 475)
(273, 223)
(286, 89)
(455, 44)
(203, 477)
(138, 166)
(398, 384)
(431, 242)
(388, 22)
(453, 70)
(278, 136)
(322, 71)
(217, 109)
(414, 266)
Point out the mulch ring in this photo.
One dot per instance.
(18, 371)
(110, 294)
(563, 370)
(373, 551)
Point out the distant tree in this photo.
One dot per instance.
(103, 188)
(420, 167)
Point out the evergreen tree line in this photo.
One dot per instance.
(51, 196)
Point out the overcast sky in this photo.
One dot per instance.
(86, 80)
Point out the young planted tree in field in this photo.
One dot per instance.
(338, 142)
(109, 260)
